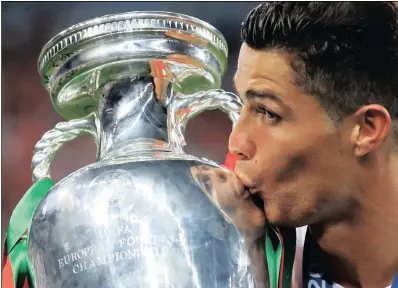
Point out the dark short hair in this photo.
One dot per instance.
(345, 52)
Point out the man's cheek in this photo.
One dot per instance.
(291, 168)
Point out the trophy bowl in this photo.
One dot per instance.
(138, 216)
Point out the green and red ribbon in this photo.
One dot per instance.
(17, 271)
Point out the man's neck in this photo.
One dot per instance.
(363, 252)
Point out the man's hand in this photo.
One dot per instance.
(229, 195)
(235, 203)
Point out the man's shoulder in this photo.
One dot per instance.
(313, 279)
(313, 276)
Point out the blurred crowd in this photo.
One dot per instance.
(27, 112)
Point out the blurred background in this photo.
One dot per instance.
(27, 112)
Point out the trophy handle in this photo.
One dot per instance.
(184, 107)
(54, 139)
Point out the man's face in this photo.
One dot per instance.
(290, 152)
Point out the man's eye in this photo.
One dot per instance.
(269, 114)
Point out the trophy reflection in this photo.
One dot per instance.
(236, 205)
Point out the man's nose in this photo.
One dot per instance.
(240, 143)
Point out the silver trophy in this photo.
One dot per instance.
(139, 216)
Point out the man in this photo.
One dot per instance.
(317, 138)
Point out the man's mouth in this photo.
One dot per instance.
(256, 196)
(253, 190)
(248, 186)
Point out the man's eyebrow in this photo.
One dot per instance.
(250, 94)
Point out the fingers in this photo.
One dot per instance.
(230, 196)
(221, 185)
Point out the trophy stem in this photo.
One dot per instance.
(132, 113)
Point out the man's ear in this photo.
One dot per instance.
(373, 123)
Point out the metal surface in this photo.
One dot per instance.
(135, 224)
(143, 214)
(184, 107)
(77, 63)
(54, 139)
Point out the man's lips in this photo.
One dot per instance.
(249, 186)
(256, 197)
(253, 190)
